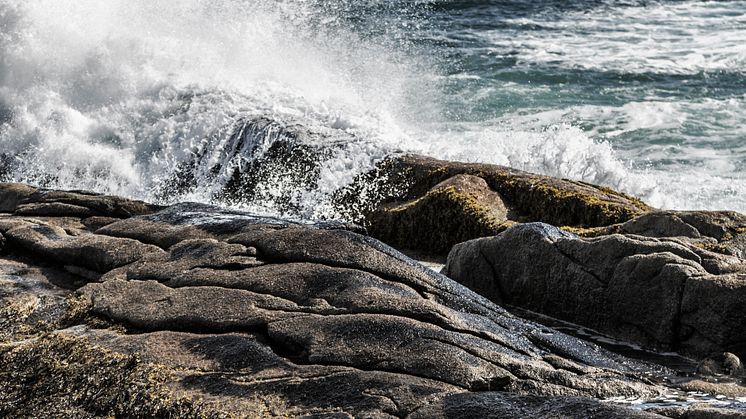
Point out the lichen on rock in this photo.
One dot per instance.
(411, 198)
(61, 375)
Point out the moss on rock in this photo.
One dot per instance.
(375, 198)
(565, 202)
(59, 375)
(455, 210)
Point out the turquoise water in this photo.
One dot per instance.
(644, 96)
(663, 82)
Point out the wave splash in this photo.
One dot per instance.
(122, 96)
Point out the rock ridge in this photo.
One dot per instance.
(197, 311)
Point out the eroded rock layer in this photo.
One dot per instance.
(665, 293)
(197, 311)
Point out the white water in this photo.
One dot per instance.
(666, 38)
(111, 96)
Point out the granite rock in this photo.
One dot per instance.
(663, 293)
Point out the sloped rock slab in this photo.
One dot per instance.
(663, 293)
(22, 199)
(254, 316)
(720, 231)
(316, 290)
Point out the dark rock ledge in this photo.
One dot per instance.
(428, 205)
(111, 307)
(664, 293)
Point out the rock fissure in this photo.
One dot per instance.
(580, 266)
(256, 316)
(502, 296)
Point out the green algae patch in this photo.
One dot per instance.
(418, 226)
(564, 202)
(456, 210)
(403, 191)
(591, 231)
(59, 375)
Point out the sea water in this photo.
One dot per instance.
(648, 97)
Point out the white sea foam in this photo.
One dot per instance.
(658, 37)
(111, 96)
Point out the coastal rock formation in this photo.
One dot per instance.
(435, 204)
(457, 209)
(720, 231)
(257, 153)
(665, 293)
(23, 199)
(197, 311)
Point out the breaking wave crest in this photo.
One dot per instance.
(162, 100)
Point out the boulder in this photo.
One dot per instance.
(455, 210)
(404, 195)
(663, 293)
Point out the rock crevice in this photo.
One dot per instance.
(249, 314)
(656, 292)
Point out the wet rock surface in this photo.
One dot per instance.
(664, 293)
(719, 231)
(195, 311)
(457, 209)
(421, 203)
(258, 152)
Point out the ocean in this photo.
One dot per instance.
(647, 97)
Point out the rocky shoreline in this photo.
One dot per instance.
(110, 306)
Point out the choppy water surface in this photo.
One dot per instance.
(645, 96)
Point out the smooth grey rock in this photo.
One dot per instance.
(94, 252)
(654, 291)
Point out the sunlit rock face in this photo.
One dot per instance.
(242, 313)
